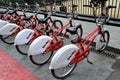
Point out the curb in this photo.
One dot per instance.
(110, 48)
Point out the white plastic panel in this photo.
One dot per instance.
(3, 23)
(63, 56)
(23, 36)
(8, 29)
(39, 45)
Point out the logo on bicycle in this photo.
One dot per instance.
(45, 44)
(71, 55)
(29, 35)
(12, 29)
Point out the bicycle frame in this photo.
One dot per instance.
(38, 33)
(84, 45)
(57, 42)
(8, 17)
(22, 24)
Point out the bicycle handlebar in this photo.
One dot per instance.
(87, 6)
(74, 5)
(104, 12)
(109, 6)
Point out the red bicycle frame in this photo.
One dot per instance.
(57, 42)
(22, 23)
(84, 45)
(38, 32)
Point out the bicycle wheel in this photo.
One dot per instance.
(63, 72)
(22, 49)
(57, 25)
(40, 59)
(78, 35)
(103, 41)
(8, 39)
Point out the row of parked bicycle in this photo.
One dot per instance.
(39, 38)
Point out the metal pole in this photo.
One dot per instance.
(72, 2)
(72, 9)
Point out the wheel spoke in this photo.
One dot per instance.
(63, 71)
(104, 40)
(9, 39)
(23, 49)
(41, 58)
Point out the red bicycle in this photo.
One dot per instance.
(42, 48)
(65, 59)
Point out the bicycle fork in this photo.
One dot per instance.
(87, 55)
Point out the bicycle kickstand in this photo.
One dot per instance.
(88, 58)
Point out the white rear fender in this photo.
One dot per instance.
(63, 56)
(8, 29)
(2, 23)
(39, 45)
(23, 37)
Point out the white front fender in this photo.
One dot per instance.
(63, 56)
(98, 42)
(23, 37)
(8, 29)
(39, 45)
(104, 29)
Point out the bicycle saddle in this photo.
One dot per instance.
(27, 18)
(3, 12)
(73, 30)
(11, 12)
(44, 20)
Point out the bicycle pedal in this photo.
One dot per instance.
(73, 41)
(89, 62)
(62, 38)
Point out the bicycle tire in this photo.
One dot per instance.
(36, 62)
(9, 39)
(79, 33)
(57, 27)
(5, 38)
(107, 41)
(53, 71)
(20, 50)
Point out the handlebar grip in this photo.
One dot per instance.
(74, 5)
(111, 6)
(87, 5)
